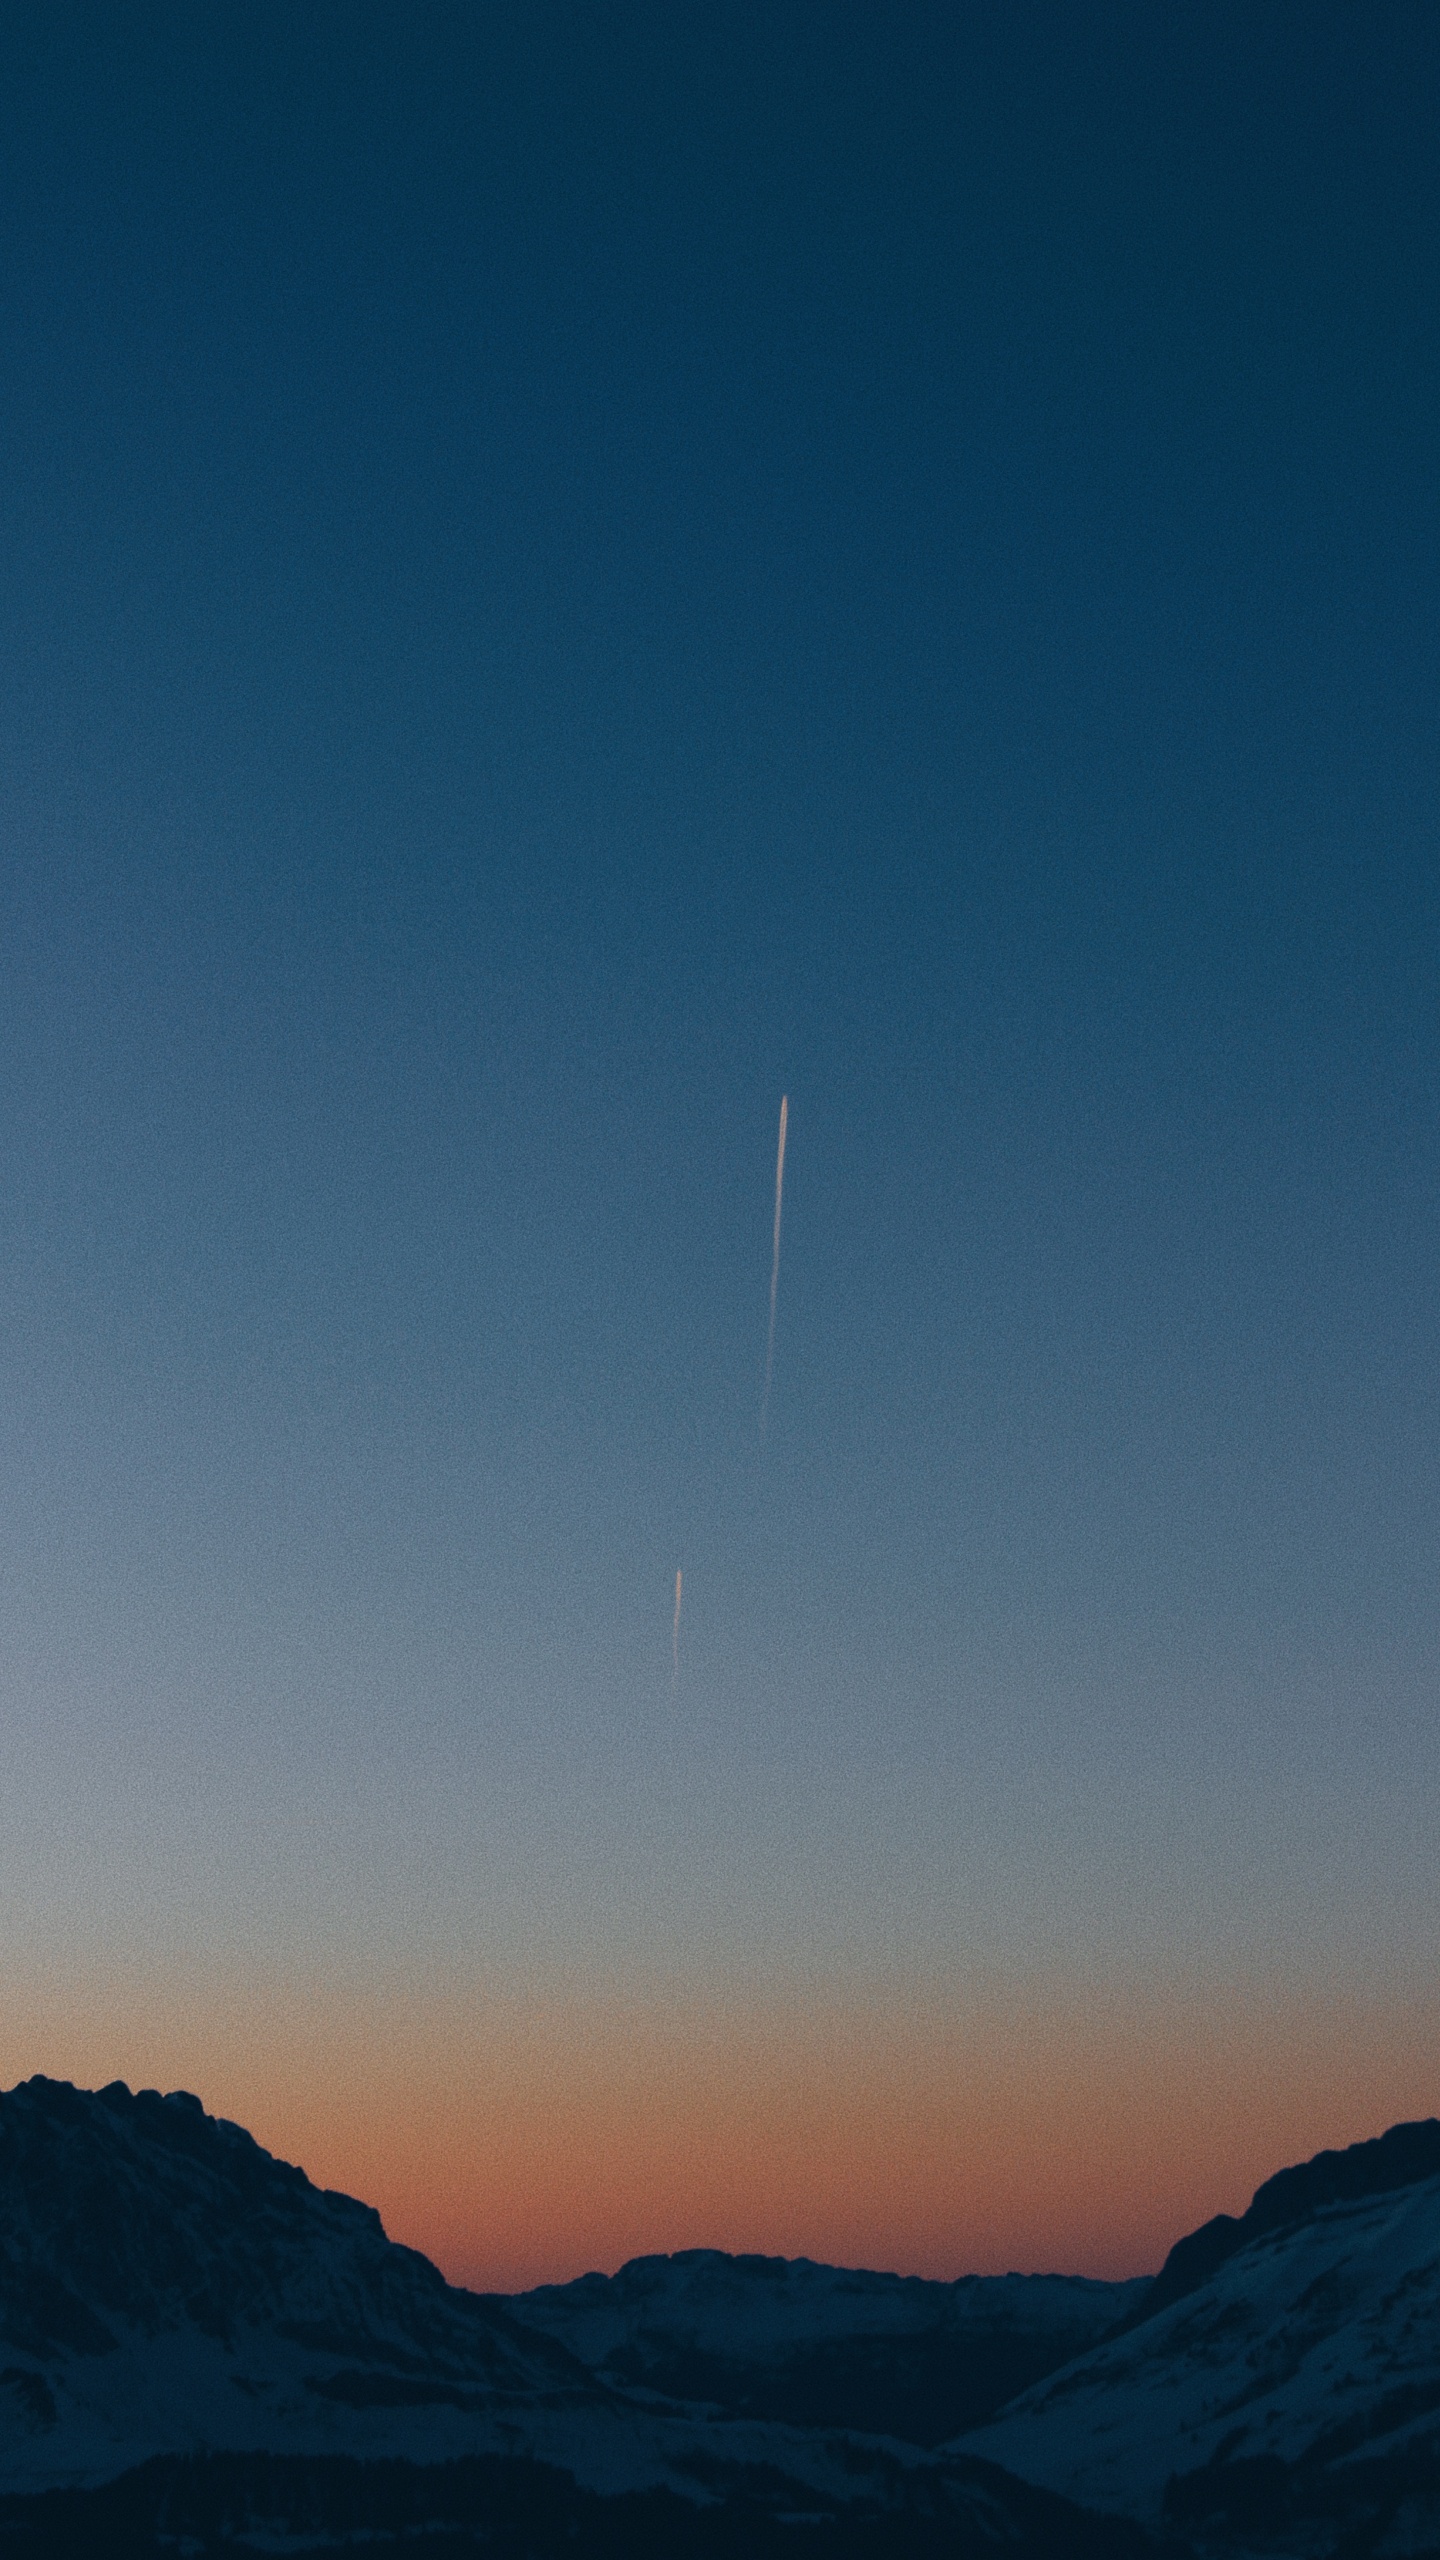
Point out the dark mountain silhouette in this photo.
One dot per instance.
(826, 2346)
(1403, 2157)
(128, 2217)
(202, 2352)
(1280, 2390)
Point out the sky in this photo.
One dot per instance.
(566, 572)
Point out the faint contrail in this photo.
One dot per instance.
(775, 1263)
(675, 1632)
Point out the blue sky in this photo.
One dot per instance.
(567, 572)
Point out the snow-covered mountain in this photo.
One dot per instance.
(826, 2346)
(193, 2323)
(200, 2350)
(165, 2285)
(1280, 2389)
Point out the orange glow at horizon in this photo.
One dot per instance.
(520, 2139)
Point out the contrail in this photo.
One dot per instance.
(775, 1264)
(675, 1632)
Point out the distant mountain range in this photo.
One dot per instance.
(814, 2346)
(200, 2352)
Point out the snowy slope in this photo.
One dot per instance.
(1293, 2389)
(167, 2289)
(166, 2285)
(816, 2345)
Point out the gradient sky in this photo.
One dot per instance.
(564, 571)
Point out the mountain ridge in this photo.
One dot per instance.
(1404, 2156)
(200, 2349)
(172, 2297)
(1290, 2399)
(809, 2344)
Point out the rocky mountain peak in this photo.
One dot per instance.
(1404, 2157)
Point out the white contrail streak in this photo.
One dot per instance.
(775, 1263)
(675, 1631)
